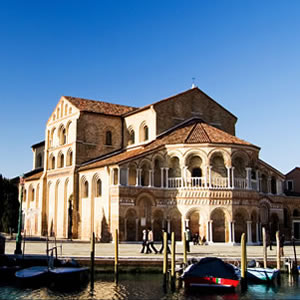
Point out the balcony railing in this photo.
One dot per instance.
(203, 183)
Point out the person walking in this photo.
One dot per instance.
(150, 243)
(145, 240)
(162, 241)
(281, 244)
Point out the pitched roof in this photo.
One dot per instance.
(189, 91)
(35, 176)
(192, 132)
(99, 106)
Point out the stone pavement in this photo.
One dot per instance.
(132, 250)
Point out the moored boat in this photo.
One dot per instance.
(67, 277)
(210, 272)
(262, 275)
(32, 276)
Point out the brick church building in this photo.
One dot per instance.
(171, 164)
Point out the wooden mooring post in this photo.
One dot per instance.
(264, 246)
(92, 268)
(165, 260)
(184, 249)
(116, 255)
(243, 262)
(278, 250)
(173, 250)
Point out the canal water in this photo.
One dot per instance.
(149, 286)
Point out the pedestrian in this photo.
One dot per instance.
(196, 238)
(150, 243)
(162, 241)
(269, 241)
(145, 240)
(188, 238)
(281, 244)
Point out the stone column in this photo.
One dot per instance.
(260, 183)
(161, 177)
(211, 231)
(167, 177)
(150, 179)
(257, 181)
(207, 232)
(205, 177)
(249, 232)
(127, 176)
(125, 228)
(233, 232)
(257, 232)
(228, 177)
(169, 226)
(269, 184)
(209, 176)
(278, 187)
(230, 232)
(184, 171)
(136, 229)
(248, 170)
(232, 177)
(119, 176)
(137, 178)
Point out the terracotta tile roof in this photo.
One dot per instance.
(99, 106)
(192, 132)
(34, 176)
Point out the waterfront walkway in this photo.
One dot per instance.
(78, 249)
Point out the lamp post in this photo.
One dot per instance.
(19, 236)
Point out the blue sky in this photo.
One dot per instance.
(244, 54)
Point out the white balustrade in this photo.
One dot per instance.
(216, 183)
(198, 182)
(175, 182)
(219, 183)
(240, 183)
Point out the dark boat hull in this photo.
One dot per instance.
(68, 277)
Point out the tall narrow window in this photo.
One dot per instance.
(146, 133)
(99, 188)
(69, 158)
(62, 136)
(61, 161)
(108, 140)
(32, 195)
(131, 139)
(86, 189)
(53, 163)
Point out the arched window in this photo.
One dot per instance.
(69, 158)
(143, 132)
(53, 163)
(61, 161)
(99, 188)
(146, 133)
(32, 195)
(108, 138)
(66, 109)
(131, 139)
(85, 189)
(62, 136)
